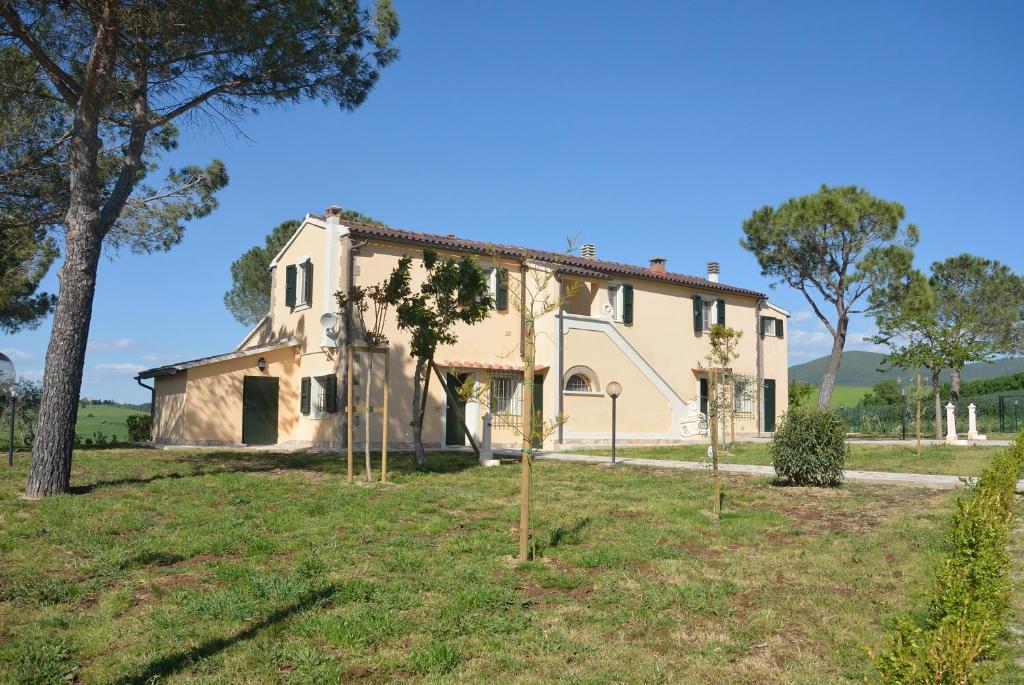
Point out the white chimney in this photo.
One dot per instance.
(588, 250)
(330, 268)
(713, 270)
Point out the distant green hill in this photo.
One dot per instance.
(862, 369)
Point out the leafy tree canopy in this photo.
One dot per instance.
(26, 254)
(885, 393)
(248, 300)
(835, 246)
(99, 88)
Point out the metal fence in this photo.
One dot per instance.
(1001, 414)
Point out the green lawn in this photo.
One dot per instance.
(843, 395)
(107, 419)
(207, 567)
(954, 461)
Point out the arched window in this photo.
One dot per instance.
(578, 383)
(581, 379)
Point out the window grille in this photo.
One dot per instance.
(578, 383)
(506, 397)
(743, 395)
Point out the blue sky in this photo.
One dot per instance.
(649, 129)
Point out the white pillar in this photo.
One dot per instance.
(972, 423)
(950, 424)
(486, 452)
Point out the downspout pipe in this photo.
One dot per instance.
(152, 402)
(561, 358)
(759, 338)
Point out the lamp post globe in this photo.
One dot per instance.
(614, 389)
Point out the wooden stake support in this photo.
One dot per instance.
(455, 405)
(348, 409)
(351, 408)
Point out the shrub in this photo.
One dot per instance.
(809, 447)
(967, 606)
(138, 428)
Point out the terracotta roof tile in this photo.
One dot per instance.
(572, 264)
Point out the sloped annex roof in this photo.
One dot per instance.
(586, 267)
(171, 369)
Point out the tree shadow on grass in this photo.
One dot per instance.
(323, 463)
(164, 666)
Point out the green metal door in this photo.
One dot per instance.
(453, 433)
(538, 409)
(259, 410)
(769, 405)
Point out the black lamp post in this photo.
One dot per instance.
(614, 389)
(903, 411)
(10, 445)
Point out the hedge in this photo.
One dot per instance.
(967, 606)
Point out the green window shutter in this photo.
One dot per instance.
(290, 274)
(501, 290)
(698, 314)
(304, 393)
(331, 394)
(763, 326)
(307, 281)
(778, 327)
(721, 312)
(627, 304)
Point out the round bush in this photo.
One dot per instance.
(809, 447)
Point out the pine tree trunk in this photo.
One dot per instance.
(938, 402)
(828, 381)
(954, 386)
(417, 415)
(50, 471)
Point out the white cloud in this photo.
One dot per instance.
(118, 368)
(801, 316)
(111, 345)
(155, 357)
(14, 353)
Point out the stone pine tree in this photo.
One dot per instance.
(26, 254)
(834, 246)
(248, 300)
(119, 78)
(979, 307)
(249, 297)
(969, 309)
(452, 292)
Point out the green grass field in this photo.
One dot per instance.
(843, 395)
(108, 419)
(940, 459)
(180, 567)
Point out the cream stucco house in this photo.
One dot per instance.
(642, 326)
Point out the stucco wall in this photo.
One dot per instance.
(208, 406)
(642, 408)
(169, 408)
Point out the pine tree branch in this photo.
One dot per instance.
(65, 84)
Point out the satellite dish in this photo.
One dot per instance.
(329, 321)
(7, 374)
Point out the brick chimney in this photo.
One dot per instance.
(658, 264)
(713, 270)
(588, 250)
